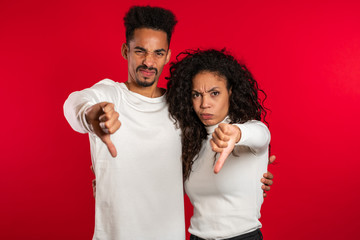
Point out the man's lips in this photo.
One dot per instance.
(206, 116)
(147, 73)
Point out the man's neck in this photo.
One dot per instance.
(150, 92)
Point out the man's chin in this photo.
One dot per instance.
(145, 83)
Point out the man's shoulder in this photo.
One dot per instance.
(108, 82)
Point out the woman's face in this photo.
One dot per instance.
(210, 97)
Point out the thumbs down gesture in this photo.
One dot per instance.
(223, 141)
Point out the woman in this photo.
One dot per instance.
(215, 102)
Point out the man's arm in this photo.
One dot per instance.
(90, 111)
(268, 177)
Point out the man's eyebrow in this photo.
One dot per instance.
(160, 50)
(144, 50)
(140, 48)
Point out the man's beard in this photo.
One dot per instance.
(145, 83)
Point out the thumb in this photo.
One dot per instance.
(111, 147)
(223, 156)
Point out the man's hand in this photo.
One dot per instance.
(104, 121)
(223, 141)
(268, 177)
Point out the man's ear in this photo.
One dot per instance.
(124, 51)
(168, 56)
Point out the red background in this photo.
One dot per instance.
(305, 55)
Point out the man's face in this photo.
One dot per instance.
(147, 53)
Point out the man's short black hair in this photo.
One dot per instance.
(149, 17)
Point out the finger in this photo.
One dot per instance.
(214, 147)
(265, 188)
(105, 117)
(93, 182)
(229, 131)
(92, 169)
(115, 127)
(108, 107)
(223, 156)
(109, 114)
(268, 175)
(219, 143)
(264, 194)
(224, 127)
(267, 181)
(110, 124)
(94, 187)
(111, 147)
(220, 134)
(272, 159)
(103, 127)
(113, 124)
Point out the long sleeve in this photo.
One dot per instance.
(255, 135)
(77, 103)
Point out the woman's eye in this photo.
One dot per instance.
(195, 95)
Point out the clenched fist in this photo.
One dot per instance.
(104, 120)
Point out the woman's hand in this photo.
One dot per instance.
(223, 141)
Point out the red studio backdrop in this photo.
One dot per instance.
(304, 54)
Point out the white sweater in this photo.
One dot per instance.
(139, 194)
(228, 204)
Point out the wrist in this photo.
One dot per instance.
(86, 121)
(238, 136)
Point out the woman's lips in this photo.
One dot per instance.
(206, 116)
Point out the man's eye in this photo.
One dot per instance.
(140, 52)
(160, 54)
(215, 93)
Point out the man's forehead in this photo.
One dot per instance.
(149, 39)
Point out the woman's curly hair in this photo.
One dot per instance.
(244, 102)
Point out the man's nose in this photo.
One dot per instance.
(149, 60)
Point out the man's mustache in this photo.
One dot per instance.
(143, 67)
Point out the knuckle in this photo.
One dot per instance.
(107, 125)
(213, 135)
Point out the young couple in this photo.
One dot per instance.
(203, 134)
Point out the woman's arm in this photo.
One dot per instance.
(253, 134)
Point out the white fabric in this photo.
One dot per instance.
(228, 204)
(139, 194)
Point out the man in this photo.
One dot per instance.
(137, 166)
